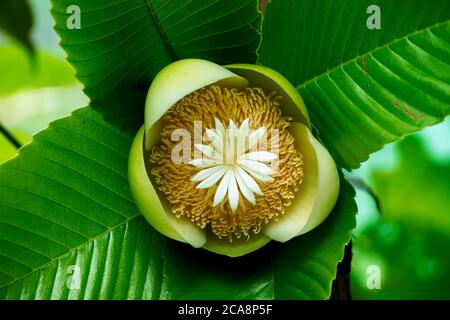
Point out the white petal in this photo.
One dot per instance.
(203, 163)
(233, 193)
(242, 137)
(219, 128)
(246, 192)
(205, 173)
(260, 177)
(255, 137)
(255, 166)
(244, 126)
(222, 189)
(263, 156)
(207, 151)
(211, 180)
(232, 127)
(216, 140)
(231, 145)
(248, 181)
(232, 139)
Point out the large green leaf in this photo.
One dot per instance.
(64, 202)
(363, 88)
(62, 194)
(124, 43)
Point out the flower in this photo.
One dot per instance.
(226, 159)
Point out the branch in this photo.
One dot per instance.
(341, 285)
(263, 5)
(10, 137)
(360, 184)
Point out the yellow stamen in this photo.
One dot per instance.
(175, 180)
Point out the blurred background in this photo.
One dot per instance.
(35, 87)
(403, 191)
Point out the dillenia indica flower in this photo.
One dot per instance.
(226, 159)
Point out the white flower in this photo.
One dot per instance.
(228, 159)
(300, 182)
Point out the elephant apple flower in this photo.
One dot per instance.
(226, 160)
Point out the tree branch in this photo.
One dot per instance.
(10, 137)
(263, 5)
(360, 184)
(341, 285)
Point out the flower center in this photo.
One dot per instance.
(228, 158)
(240, 168)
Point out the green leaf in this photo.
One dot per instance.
(66, 211)
(19, 72)
(302, 268)
(64, 201)
(125, 43)
(7, 149)
(16, 19)
(363, 88)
